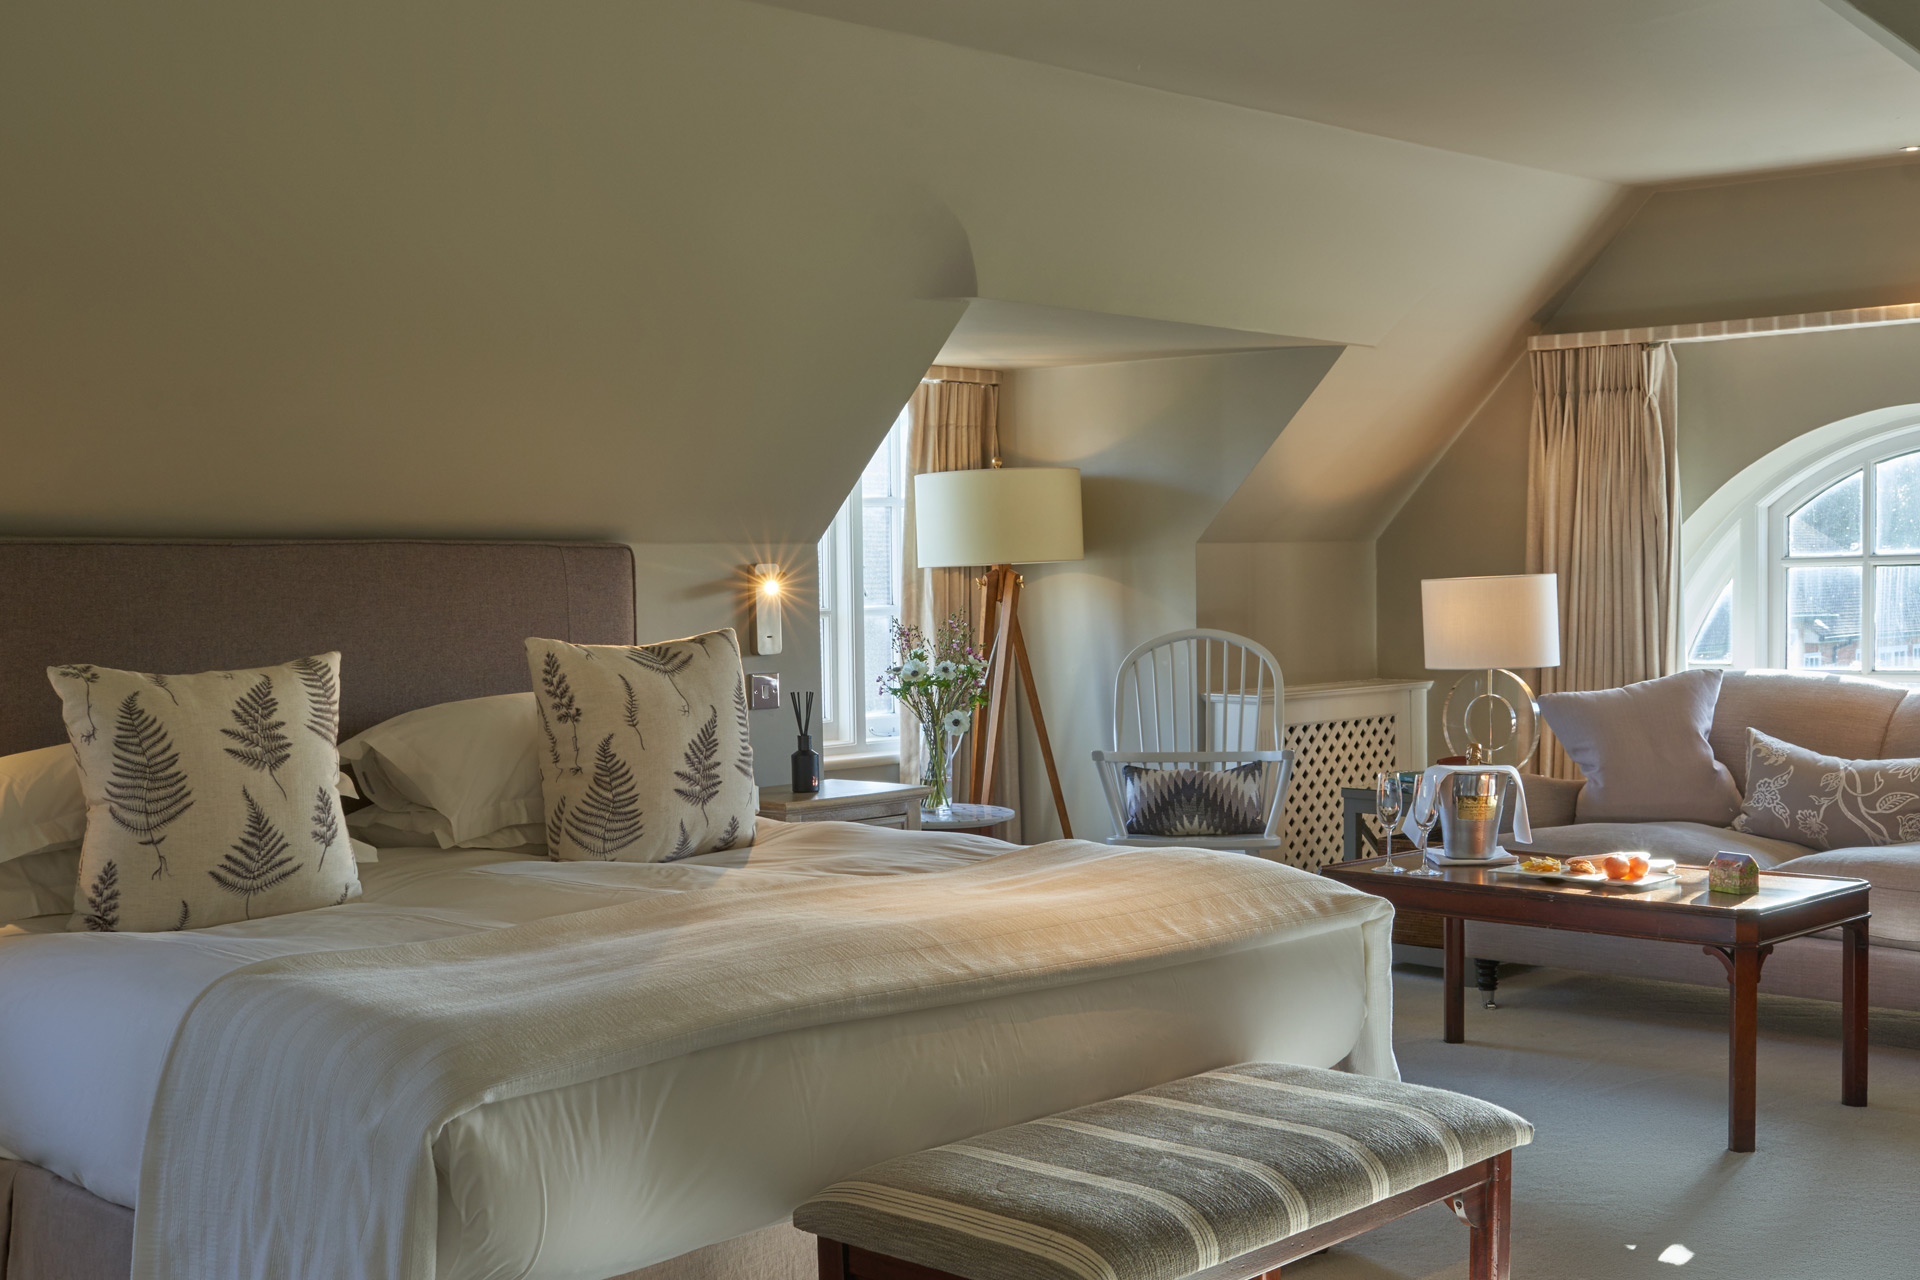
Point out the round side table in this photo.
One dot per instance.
(969, 819)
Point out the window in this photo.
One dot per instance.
(860, 601)
(1810, 558)
(1713, 642)
(1850, 570)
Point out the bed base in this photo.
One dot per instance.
(51, 1229)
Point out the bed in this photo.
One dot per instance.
(634, 1122)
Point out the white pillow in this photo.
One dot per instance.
(425, 828)
(39, 884)
(471, 762)
(41, 804)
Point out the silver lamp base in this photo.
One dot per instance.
(1482, 722)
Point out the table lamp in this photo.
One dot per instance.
(1001, 517)
(1491, 625)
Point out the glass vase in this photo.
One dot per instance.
(937, 771)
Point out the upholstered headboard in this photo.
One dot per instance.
(415, 622)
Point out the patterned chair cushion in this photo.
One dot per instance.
(1194, 802)
(1162, 1183)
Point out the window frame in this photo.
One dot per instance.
(1738, 537)
(843, 609)
(1861, 460)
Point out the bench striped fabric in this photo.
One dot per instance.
(1163, 1183)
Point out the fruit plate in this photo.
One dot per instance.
(1655, 877)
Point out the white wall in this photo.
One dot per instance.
(684, 588)
(1160, 445)
(1311, 603)
(1743, 398)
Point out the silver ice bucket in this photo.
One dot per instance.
(1469, 805)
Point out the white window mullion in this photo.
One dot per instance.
(847, 726)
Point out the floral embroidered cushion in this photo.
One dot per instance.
(645, 752)
(1826, 802)
(210, 798)
(1194, 802)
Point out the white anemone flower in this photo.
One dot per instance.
(956, 722)
(945, 669)
(913, 669)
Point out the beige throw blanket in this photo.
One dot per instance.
(292, 1131)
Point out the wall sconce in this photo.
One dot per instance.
(766, 609)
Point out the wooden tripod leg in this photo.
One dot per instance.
(990, 585)
(1040, 726)
(999, 675)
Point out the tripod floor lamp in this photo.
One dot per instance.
(1000, 518)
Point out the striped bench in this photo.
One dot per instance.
(1228, 1175)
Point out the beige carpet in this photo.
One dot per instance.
(1626, 1082)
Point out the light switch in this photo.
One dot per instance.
(763, 691)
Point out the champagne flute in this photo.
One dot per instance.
(1386, 808)
(1425, 822)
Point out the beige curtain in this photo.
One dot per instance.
(955, 426)
(1603, 512)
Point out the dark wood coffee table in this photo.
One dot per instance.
(1739, 931)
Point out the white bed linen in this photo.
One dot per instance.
(647, 1164)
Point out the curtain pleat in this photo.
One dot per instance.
(1603, 512)
(954, 427)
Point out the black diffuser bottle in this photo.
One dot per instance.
(806, 761)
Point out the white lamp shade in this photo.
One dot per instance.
(1483, 623)
(1019, 515)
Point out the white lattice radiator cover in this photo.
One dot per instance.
(1341, 736)
(1329, 755)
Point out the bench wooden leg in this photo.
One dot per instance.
(1487, 1209)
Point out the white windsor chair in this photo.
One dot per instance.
(1206, 700)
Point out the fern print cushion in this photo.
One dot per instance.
(644, 750)
(210, 798)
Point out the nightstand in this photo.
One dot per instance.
(878, 804)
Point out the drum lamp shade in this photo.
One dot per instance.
(1012, 515)
(1511, 621)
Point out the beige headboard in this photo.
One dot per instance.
(416, 622)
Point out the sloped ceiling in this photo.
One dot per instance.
(1019, 335)
(1629, 91)
(665, 272)
(1626, 93)
(658, 272)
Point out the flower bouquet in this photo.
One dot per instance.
(941, 680)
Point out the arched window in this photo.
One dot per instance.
(1810, 558)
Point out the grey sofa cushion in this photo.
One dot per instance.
(1894, 872)
(1689, 842)
(1644, 750)
(1826, 802)
(1903, 729)
(1841, 716)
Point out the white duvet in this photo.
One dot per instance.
(614, 1172)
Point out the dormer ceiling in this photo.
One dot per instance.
(1627, 91)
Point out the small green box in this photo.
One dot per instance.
(1733, 873)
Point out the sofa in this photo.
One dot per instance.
(1842, 716)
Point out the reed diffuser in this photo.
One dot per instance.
(806, 761)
